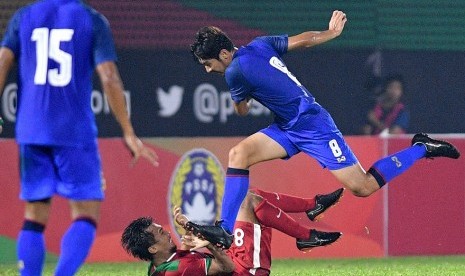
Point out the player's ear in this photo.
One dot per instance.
(153, 249)
(224, 54)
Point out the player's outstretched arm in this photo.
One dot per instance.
(220, 264)
(113, 89)
(188, 241)
(7, 59)
(313, 38)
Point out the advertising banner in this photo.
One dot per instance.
(421, 212)
(170, 95)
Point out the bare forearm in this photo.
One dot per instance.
(222, 263)
(310, 39)
(117, 104)
(113, 89)
(6, 62)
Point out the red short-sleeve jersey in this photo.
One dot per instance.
(250, 252)
(183, 262)
(251, 249)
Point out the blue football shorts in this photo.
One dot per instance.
(316, 135)
(72, 172)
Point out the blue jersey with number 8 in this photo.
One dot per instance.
(57, 44)
(257, 71)
(301, 124)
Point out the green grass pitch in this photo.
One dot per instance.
(447, 265)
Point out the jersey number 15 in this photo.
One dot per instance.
(48, 47)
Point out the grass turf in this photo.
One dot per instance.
(445, 265)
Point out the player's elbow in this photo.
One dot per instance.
(242, 108)
(109, 76)
(242, 112)
(111, 80)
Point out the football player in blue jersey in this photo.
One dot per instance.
(57, 45)
(257, 72)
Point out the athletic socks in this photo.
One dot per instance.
(386, 169)
(31, 248)
(235, 190)
(75, 245)
(287, 203)
(271, 216)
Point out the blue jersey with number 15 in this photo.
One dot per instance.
(57, 44)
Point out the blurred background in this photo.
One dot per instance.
(177, 107)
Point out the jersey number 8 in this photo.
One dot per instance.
(239, 237)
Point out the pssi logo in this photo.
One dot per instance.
(197, 186)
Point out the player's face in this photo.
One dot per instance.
(163, 240)
(213, 65)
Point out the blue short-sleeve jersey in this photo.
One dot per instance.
(57, 44)
(257, 71)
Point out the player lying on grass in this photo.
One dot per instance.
(250, 253)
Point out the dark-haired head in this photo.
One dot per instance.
(209, 41)
(136, 238)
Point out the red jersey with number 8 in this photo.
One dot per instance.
(251, 249)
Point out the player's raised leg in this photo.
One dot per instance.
(269, 215)
(313, 207)
(363, 183)
(254, 149)
(435, 148)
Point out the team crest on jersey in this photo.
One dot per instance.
(197, 186)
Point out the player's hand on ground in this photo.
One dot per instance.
(179, 217)
(195, 243)
(138, 149)
(337, 21)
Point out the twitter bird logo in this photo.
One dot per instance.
(169, 102)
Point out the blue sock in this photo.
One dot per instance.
(31, 248)
(386, 169)
(75, 245)
(235, 190)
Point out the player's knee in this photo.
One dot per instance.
(360, 185)
(361, 191)
(38, 211)
(254, 199)
(251, 201)
(237, 157)
(89, 209)
(255, 191)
